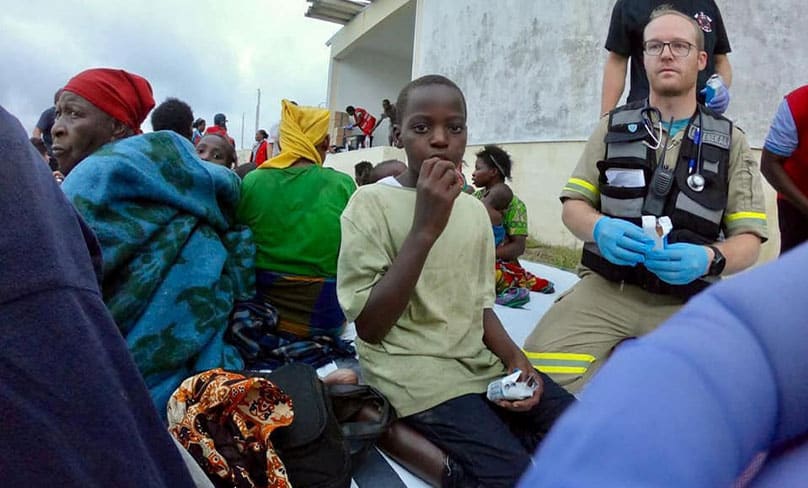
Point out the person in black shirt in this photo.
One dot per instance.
(43, 127)
(625, 40)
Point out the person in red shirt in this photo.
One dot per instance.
(260, 148)
(365, 122)
(220, 127)
(199, 129)
(784, 163)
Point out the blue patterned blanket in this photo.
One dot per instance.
(174, 262)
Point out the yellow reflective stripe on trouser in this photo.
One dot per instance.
(560, 362)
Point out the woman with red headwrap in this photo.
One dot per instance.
(98, 106)
(174, 260)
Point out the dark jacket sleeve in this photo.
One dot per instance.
(75, 409)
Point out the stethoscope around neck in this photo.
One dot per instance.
(695, 180)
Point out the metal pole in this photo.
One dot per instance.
(257, 109)
(243, 115)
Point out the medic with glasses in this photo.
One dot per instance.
(663, 156)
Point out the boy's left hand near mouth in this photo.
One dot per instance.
(437, 189)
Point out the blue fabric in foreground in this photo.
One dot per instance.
(693, 402)
(174, 262)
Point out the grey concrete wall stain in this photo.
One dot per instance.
(531, 69)
(519, 64)
(768, 57)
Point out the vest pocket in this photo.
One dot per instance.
(714, 171)
(687, 204)
(627, 206)
(622, 187)
(627, 150)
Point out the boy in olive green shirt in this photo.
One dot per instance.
(415, 273)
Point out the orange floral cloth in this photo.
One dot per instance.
(224, 420)
(511, 274)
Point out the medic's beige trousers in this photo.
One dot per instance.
(586, 323)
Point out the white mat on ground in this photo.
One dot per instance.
(519, 323)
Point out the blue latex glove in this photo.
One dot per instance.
(717, 98)
(678, 264)
(621, 242)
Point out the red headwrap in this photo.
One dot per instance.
(124, 96)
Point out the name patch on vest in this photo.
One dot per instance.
(717, 139)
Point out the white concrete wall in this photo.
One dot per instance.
(531, 69)
(370, 17)
(768, 59)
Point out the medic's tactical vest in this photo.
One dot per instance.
(696, 216)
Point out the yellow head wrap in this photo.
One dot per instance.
(301, 129)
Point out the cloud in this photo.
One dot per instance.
(213, 55)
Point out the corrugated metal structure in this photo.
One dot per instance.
(337, 11)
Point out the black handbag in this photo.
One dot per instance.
(326, 439)
(360, 435)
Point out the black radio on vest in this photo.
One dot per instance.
(661, 182)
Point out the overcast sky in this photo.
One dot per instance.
(213, 55)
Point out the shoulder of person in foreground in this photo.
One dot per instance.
(51, 307)
(693, 402)
(470, 200)
(369, 202)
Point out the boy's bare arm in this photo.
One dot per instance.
(500, 343)
(437, 189)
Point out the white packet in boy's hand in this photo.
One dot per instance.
(510, 388)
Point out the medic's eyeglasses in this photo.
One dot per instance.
(680, 49)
